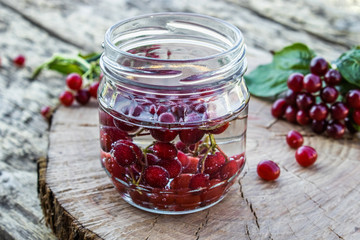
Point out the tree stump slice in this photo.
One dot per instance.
(318, 202)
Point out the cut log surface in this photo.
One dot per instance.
(319, 202)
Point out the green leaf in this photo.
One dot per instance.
(348, 65)
(64, 64)
(90, 57)
(271, 79)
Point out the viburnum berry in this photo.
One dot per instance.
(74, 81)
(302, 117)
(319, 66)
(46, 112)
(93, 89)
(295, 82)
(66, 98)
(339, 111)
(332, 77)
(82, 96)
(356, 116)
(329, 94)
(318, 126)
(268, 170)
(318, 112)
(335, 129)
(353, 98)
(278, 108)
(156, 176)
(199, 180)
(294, 139)
(312, 83)
(306, 156)
(19, 60)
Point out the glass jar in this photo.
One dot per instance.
(173, 109)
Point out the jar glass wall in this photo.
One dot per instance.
(173, 110)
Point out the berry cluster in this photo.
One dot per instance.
(76, 90)
(314, 99)
(180, 170)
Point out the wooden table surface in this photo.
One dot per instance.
(40, 28)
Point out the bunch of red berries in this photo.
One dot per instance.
(76, 90)
(314, 99)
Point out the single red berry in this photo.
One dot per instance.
(66, 98)
(109, 135)
(213, 163)
(332, 77)
(191, 136)
(294, 139)
(268, 170)
(329, 94)
(167, 117)
(125, 126)
(46, 112)
(318, 112)
(82, 96)
(136, 111)
(353, 98)
(220, 129)
(163, 135)
(304, 101)
(126, 153)
(74, 81)
(356, 116)
(181, 146)
(239, 159)
(312, 83)
(161, 109)
(335, 129)
(290, 113)
(295, 82)
(182, 181)
(93, 89)
(106, 119)
(200, 108)
(173, 166)
(319, 66)
(19, 61)
(199, 180)
(165, 150)
(156, 176)
(339, 111)
(278, 108)
(290, 97)
(193, 165)
(302, 117)
(305, 156)
(229, 169)
(318, 126)
(152, 159)
(183, 158)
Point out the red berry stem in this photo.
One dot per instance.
(215, 146)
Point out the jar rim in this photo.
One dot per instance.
(239, 37)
